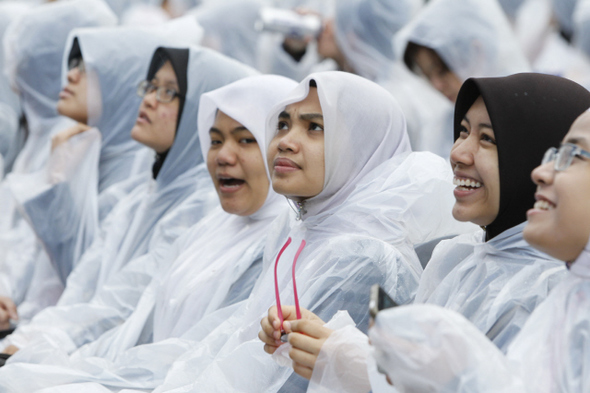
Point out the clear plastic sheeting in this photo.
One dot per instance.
(425, 348)
(473, 37)
(229, 28)
(8, 130)
(149, 218)
(364, 30)
(495, 284)
(34, 45)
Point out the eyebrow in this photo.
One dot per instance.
(304, 116)
(235, 130)
(481, 125)
(577, 140)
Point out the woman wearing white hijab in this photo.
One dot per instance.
(156, 212)
(215, 264)
(549, 353)
(348, 237)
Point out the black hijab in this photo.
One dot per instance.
(179, 60)
(529, 113)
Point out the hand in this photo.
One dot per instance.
(66, 134)
(307, 337)
(11, 350)
(271, 331)
(7, 312)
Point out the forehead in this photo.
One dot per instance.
(166, 73)
(223, 121)
(311, 103)
(579, 132)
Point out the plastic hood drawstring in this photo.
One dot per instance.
(277, 296)
(298, 207)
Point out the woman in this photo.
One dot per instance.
(548, 354)
(347, 235)
(492, 277)
(157, 211)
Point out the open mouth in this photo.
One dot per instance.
(466, 184)
(544, 205)
(229, 183)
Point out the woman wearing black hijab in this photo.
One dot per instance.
(503, 126)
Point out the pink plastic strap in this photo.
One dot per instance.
(298, 310)
(277, 297)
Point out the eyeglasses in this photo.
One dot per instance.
(78, 63)
(163, 94)
(563, 156)
(277, 296)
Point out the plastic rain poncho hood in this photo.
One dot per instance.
(473, 38)
(364, 30)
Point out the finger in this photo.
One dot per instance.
(9, 306)
(311, 328)
(265, 338)
(270, 349)
(303, 358)
(305, 343)
(305, 372)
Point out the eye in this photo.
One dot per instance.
(282, 125)
(248, 140)
(463, 133)
(216, 142)
(487, 138)
(171, 93)
(315, 127)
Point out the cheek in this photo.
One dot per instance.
(211, 163)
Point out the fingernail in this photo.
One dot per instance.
(287, 325)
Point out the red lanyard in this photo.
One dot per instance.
(278, 298)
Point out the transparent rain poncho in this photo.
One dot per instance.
(229, 27)
(10, 108)
(547, 356)
(364, 31)
(473, 37)
(154, 214)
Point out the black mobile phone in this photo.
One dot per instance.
(379, 300)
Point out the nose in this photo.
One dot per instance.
(463, 152)
(543, 174)
(73, 75)
(150, 99)
(226, 155)
(289, 141)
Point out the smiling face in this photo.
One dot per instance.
(155, 126)
(474, 158)
(296, 153)
(236, 166)
(73, 98)
(559, 222)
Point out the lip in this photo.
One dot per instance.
(285, 165)
(66, 93)
(229, 189)
(535, 211)
(460, 192)
(143, 118)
